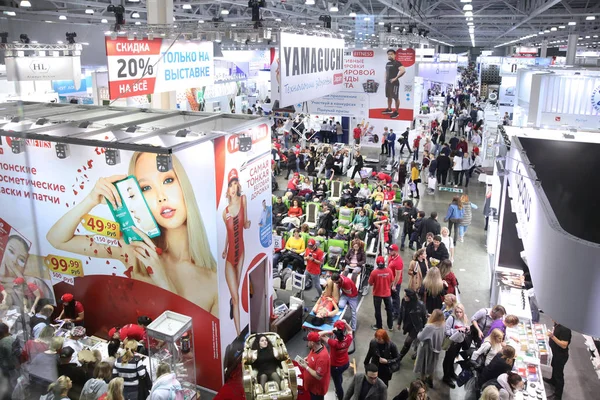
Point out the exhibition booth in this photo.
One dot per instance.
(561, 98)
(537, 227)
(93, 183)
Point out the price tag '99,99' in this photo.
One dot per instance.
(64, 265)
(101, 226)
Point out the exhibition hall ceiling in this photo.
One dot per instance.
(494, 22)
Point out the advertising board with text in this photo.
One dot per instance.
(365, 74)
(62, 236)
(44, 69)
(142, 67)
(307, 67)
(244, 232)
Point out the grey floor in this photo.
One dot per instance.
(472, 271)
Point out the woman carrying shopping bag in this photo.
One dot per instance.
(430, 346)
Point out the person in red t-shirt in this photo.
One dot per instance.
(382, 279)
(338, 350)
(357, 132)
(396, 264)
(313, 256)
(316, 367)
(349, 295)
(382, 176)
(29, 292)
(72, 310)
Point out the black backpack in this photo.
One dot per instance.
(491, 382)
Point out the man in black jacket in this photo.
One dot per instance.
(437, 250)
(329, 163)
(358, 164)
(405, 142)
(413, 317)
(443, 166)
(408, 214)
(280, 211)
(430, 224)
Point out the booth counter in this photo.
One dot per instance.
(196, 187)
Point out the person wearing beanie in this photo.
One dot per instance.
(412, 319)
(317, 367)
(382, 279)
(72, 310)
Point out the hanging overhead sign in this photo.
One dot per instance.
(307, 67)
(141, 67)
(439, 72)
(44, 68)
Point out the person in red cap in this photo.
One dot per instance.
(396, 264)
(29, 292)
(382, 176)
(235, 217)
(313, 256)
(316, 366)
(72, 310)
(382, 279)
(338, 351)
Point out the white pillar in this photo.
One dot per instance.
(160, 12)
(544, 49)
(571, 48)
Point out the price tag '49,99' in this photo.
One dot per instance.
(64, 265)
(101, 226)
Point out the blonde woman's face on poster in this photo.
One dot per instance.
(162, 191)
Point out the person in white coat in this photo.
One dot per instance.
(166, 386)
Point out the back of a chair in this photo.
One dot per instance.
(345, 216)
(312, 212)
(343, 244)
(336, 189)
(334, 256)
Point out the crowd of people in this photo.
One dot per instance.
(56, 362)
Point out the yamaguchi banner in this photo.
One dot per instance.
(56, 226)
(365, 74)
(141, 67)
(244, 231)
(307, 67)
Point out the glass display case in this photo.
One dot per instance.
(170, 340)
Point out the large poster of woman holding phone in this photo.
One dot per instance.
(235, 218)
(178, 259)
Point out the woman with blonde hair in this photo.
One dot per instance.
(448, 277)
(467, 216)
(448, 242)
(59, 389)
(430, 346)
(127, 366)
(33, 347)
(178, 260)
(490, 347)
(450, 301)
(490, 393)
(115, 390)
(432, 290)
(457, 327)
(417, 270)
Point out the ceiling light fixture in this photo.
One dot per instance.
(10, 13)
(381, 23)
(187, 6)
(25, 3)
(310, 2)
(62, 17)
(224, 12)
(572, 23)
(334, 8)
(588, 18)
(89, 10)
(469, 18)
(104, 21)
(352, 14)
(367, 19)
(553, 29)
(540, 32)
(469, 14)
(467, 7)
(135, 15)
(547, 31)
(277, 19)
(465, 1)
(200, 21)
(561, 27)
(469, 24)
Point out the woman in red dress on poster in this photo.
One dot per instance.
(235, 217)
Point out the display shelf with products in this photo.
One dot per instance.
(530, 340)
(170, 341)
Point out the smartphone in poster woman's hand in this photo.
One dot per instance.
(134, 211)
